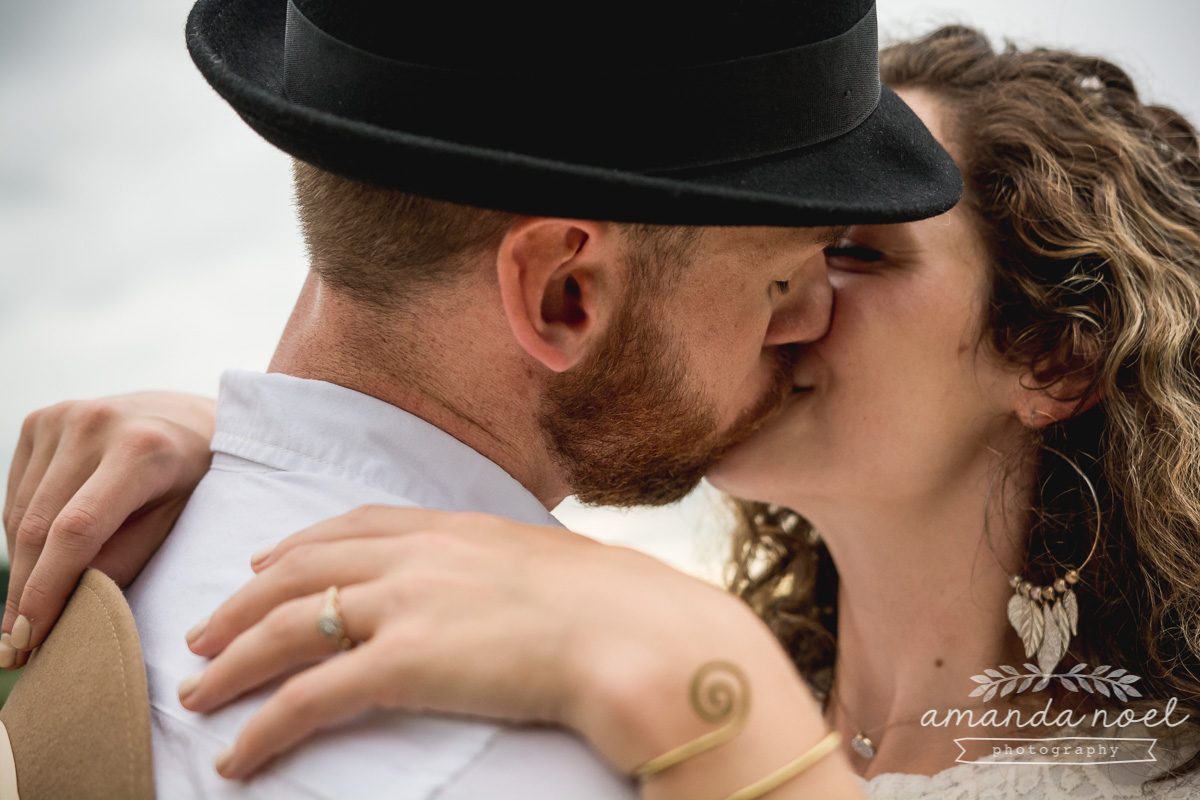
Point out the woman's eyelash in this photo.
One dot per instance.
(856, 252)
(783, 286)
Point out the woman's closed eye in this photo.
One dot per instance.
(850, 255)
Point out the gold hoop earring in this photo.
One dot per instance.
(1046, 617)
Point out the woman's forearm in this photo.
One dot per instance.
(470, 613)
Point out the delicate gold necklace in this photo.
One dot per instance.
(861, 743)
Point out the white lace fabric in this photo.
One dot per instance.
(1027, 781)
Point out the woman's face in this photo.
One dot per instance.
(903, 396)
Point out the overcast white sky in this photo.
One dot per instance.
(147, 239)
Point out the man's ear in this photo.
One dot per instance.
(561, 281)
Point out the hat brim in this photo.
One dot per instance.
(887, 169)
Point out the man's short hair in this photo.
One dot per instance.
(383, 246)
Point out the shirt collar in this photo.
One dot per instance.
(293, 424)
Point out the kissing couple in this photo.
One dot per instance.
(606, 259)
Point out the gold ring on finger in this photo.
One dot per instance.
(330, 623)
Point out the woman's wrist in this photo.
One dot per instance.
(195, 412)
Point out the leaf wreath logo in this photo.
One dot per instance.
(1117, 683)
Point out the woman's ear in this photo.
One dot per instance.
(560, 283)
(1062, 383)
(1067, 397)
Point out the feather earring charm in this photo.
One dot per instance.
(1047, 617)
(1025, 616)
(1045, 622)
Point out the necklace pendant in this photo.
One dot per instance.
(863, 746)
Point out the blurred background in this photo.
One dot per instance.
(147, 238)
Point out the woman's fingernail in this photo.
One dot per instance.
(19, 638)
(261, 556)
(188, 685)
(223, 759)
(8, 653)
(197, 629)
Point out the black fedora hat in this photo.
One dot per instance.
(766, 112)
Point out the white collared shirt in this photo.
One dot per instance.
(289, 453)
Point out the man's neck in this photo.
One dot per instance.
(416, 362)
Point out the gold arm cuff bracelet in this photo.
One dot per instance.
(732, 705)
(789, 771)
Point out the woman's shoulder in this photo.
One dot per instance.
(1036, 771)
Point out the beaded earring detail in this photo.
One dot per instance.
(1046, 617)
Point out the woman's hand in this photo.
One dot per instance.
(473, 614)
(94, 483)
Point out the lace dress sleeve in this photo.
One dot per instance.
(1025, 782)
(1037, 781)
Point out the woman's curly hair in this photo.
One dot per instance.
(1089, 201)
